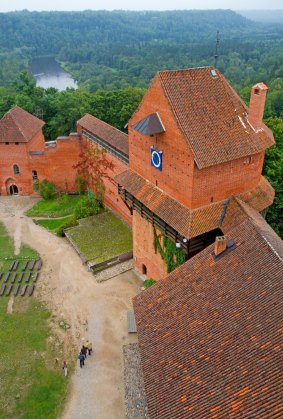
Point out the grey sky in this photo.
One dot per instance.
(133, 5)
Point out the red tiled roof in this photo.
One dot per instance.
(190, 222)
(19, 126)
(106, 132)
(210, 334)
(211, 116)
(260, 197)
(187, 222)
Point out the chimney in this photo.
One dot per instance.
(219, 245)
(257, 102)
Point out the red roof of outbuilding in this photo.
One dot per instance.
(210, 334)
(106, 132)
(211, 116)
(19, 126)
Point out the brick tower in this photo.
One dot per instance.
(192, 145)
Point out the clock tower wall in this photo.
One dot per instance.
(176, 174)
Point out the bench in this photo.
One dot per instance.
(27, 277)
(2, 289)
(6, 276)
(31, 289)
(11, 266)
(9, 289)
(25, 265)
(24, 289)
(132, 327)
(16, 289)
(20, 277)
(31, 265)
(39, 264)
(35, 276)
(13, 277)
(16, 264)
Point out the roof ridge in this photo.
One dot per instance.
(106, 123)
(17, 122)
(186, 69)
(242, 206)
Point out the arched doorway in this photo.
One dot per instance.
(13, 190)
(144, 269)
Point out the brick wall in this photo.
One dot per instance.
(53, 163)
(143, 249)
(57, 163)
(15, 154)
(216, 183)
(112, 198)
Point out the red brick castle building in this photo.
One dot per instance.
(190, 170)
(192, 145)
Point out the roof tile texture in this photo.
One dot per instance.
(191, 222)
(19, 126)
(211, 116)
(210, 334)
(106, 132)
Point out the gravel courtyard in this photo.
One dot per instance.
(94, 311)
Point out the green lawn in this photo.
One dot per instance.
(31, 385)
(7, 251)
(52, 225)
(101, 237)
(58, 207)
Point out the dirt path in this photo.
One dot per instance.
(94, 311)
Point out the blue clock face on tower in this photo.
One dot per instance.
(156, 158)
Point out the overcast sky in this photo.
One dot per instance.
(11, 5)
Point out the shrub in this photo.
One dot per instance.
(46, 189)
(87, 207)
(149, 282)
(81, 184)
(71, 222)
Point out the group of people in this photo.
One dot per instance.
(86, 348)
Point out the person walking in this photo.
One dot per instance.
(65, 368)
(88, 344)
(81, 357)
(84, 350)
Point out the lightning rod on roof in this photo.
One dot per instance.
(216, 49)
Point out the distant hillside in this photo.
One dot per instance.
(265, 16)
(119, 49)
(49, 32)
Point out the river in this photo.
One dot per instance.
(49, 73)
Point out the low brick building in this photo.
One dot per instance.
(26, 157)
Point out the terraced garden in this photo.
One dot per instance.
(101, 237)
(97, 238)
